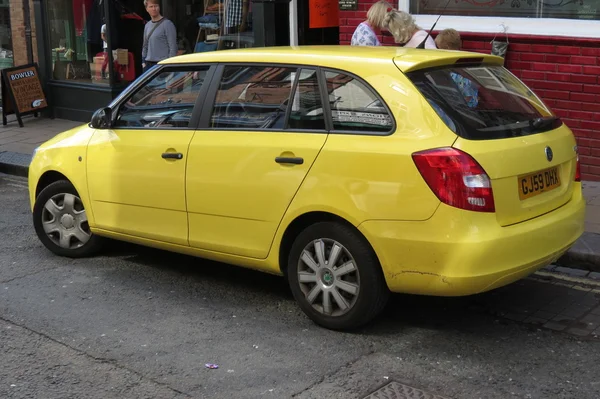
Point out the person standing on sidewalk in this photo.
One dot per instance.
(160, 37)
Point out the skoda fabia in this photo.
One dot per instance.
(352, 171)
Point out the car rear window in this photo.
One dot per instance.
(483, 102)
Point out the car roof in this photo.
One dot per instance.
(406, 59)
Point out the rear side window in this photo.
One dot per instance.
(253, 97)
(355, 107)
(484, 102)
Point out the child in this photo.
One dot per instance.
(448, 39)
(105, 62)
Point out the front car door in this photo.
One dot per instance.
(254, 147)
(136, 168)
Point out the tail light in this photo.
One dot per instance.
(578, 170)
(456, 179)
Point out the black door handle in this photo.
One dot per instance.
(172, 155)
(292, 160)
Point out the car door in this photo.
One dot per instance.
(136, 168)
(256, 144)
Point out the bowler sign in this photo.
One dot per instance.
(22, 92)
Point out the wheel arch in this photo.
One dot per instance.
(303, 221)
(48, 178)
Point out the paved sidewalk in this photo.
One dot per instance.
(17, 145)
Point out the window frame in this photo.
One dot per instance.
(147, 77)
(561, 27)
(211, 96)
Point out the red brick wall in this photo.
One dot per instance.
(564, 72)
(17, 24)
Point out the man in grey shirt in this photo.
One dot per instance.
(160, 37)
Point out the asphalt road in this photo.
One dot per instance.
(141, 323)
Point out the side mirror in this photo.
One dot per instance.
(102, 118)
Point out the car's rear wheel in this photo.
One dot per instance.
(61, 224)
(335, 276)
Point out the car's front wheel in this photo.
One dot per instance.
(61, 224)
(335, 276)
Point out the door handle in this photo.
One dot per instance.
(292, 160)
(172, 155)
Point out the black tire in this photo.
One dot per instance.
(91, 247)
(373, 292)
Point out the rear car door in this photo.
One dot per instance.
(260, 135)
(136, 168)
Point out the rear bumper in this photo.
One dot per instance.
(459, 252)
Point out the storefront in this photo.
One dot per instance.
(554, 46)
(81, 77)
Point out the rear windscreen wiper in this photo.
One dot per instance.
(544, 122)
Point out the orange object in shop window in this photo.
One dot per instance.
(125, 72)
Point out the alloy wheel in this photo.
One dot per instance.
(328, 277)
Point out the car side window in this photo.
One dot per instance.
(166, 101)
(253, 97)
(307, 108)
(354, 105)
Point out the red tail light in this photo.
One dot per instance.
(456, 179)
(578, 170)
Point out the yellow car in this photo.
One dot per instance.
(352, 171)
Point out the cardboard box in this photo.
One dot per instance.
(121, 56)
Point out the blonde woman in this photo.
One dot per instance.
(367, 31)
(403, 27)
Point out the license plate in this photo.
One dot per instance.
(539, 182)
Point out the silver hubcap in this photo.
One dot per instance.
(328, 277)
(65, 221)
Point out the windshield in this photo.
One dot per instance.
(484, 102)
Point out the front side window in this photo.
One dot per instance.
(484, 102)
(355, 107)
(166, 101)
(253, 97)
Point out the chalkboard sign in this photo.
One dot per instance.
(22, 92)
(349, 5)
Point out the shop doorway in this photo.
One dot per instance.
(314, 36)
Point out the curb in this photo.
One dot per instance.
(14, 163)
(584, 254)
(581, 256)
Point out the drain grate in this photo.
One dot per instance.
(395, 390)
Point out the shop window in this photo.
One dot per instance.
(217, 25)
(307, 109)
(68, 41)
(6, 48)
(166, 101)
(354, 106)
(77, 45)
(513, 8)
(253, 97)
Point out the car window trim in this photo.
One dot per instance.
(211, 96)
(197, 108)
(288, 110)
(378, 96)
(325, 100)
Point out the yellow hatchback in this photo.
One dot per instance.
(352, 171)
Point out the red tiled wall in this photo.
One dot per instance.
(564, 72)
